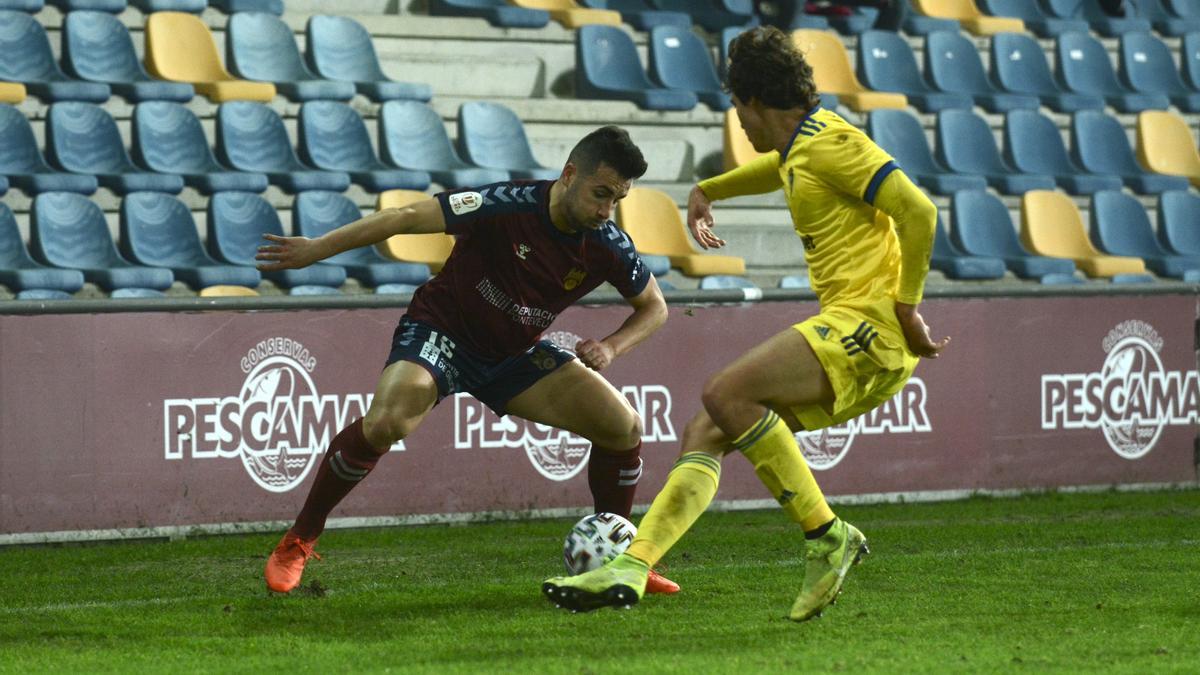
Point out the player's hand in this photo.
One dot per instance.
(595, 354)
(700, 220)
(916, 333)
(287, 253)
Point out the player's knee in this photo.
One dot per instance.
(717, 392)
(622, 432)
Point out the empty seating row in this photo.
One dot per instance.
(1054, 17)
(712, 15)
(147, 6)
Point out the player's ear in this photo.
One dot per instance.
(569, 172)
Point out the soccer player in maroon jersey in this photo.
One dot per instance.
(525, 251)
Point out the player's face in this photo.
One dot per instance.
(752, 123)
(591, 199)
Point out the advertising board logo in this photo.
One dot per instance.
(903, 413)
(1131, 399)
(277, 424)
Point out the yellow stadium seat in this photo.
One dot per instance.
(834, 74)
(966, 13)
(227, 292)
(1165, 145)
(431, 249)
(652, 220)
(180, 48)
(1051, 226)
(737, 149)
(570, 14)
(11, 92)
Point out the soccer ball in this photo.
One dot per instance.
(595, 540)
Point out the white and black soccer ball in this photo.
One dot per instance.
(595, 540)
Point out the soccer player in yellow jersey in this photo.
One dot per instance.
(867, 233)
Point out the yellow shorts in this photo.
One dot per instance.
(866, 366)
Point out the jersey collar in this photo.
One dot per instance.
(799, 126)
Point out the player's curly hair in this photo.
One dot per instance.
(764, 64)
(612, 146)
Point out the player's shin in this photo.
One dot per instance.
(349, 459)
(690, 488)
(772, 449)
(613, 477)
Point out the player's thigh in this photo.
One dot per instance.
(578, 399)
(781, 373)
(406, 392)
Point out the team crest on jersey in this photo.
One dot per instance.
(465, 202)
(573, 278)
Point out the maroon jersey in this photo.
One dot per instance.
(511, 271)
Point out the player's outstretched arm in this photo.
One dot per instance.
(649, 314)
(700, 220)
(756, 177)
(283, 253)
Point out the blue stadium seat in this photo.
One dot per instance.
(412, 136)
(260, 46)
(1178, 213)
(44, 294)
(900, 134)
(96, 47)
(157, 230)
(1119, 225)
(19, 272)
(1034, 17)
(339, 48)
(952, 64)
(308, 289)
(3, 185)
(916, 23)
(640, 15)
(334, 138)
(795, 281)
(1099, 145)
(496, 12)
(607, 67)
(983, 227)
(316, 213)
(239, 6)
(31, 6)
(237, 222)
(887, 63)
(1096, 18)
(67, 230)
(28, 59)
(712, 15)
(1166, 20)
(714, 282)
(1084, 68)
(680, 60)
(82, 138)
(22, 163)
(1019, 66)
(1189, 57)
(252, 137)
(1033, 145)
(958, 265)
(1184, 9)
(168, 138)
(1148, 68)
(139, 293)
(659, 265)
(492, 136)
(965, 145)
(109, 6)
(151, 6)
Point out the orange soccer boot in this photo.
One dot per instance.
(286, 564)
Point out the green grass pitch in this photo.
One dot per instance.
(1058, 582)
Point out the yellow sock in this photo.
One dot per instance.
(690, 487)
(771, 448)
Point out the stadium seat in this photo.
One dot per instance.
(237, 222)
(887, 63)
(180, 48)
(44, 294)
(1084, 68)
(1148, 67)
(712, 15)
(795, 281)
(30, 6)
(833, 72)
(607, 66)
(496, 12)
(29, 59)
(983, 227)
(1096, 18)
(68, 231)
(107, 6)
(652, 220)
(1051, 226)
(680, 60)
(900, 134)
(252, 137)
(157, 230)
(1178, 213)
(19, 272)
(152, 6)
(659, 265)
(317, 213)
(138, 293)
(1019, 66)
(736, 149)
(952, 64)
(1033, 145)
(168, 138)
(3, 185)
(22, 163)
(1189, 59)
(412, 136)
(260, 46)
(12, 92)
(234, 7)
(1166, 145)
(1099, 145)
(1120, 226)
(1035, 19)
(428, 249)
(570, 14)
(715, 282)
(956, 264)
(223, 291)
(1166, 20)
(334, 138)
(96, 47)
(640, 15)
(492, 136)
(969, 17)
(916, 23)
(82, 138)
(965, 145)
(339, 48)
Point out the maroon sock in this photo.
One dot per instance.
(349, 459)
(613, 477)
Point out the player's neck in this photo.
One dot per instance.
(558, 215)
(782, 127)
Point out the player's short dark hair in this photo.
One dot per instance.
(612, 146)
(764, 64)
